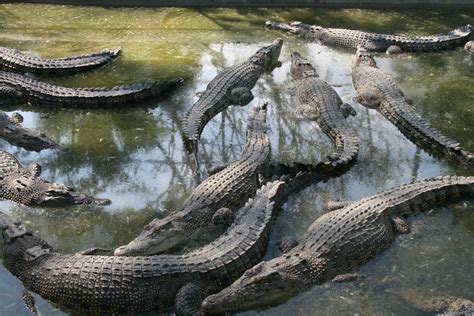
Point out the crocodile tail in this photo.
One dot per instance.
(467, 158)
(139, 90)
(347, 148)
(453, 38)
(15, 60)
(257, 145)
(424, 193)
(164, 87)
(190, 135)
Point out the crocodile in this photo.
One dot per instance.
(23, 186)
(469, 47)
(94, 283)
(230, 87)
(19, 88)
(336, 243)
(13, 60)
(213, 200)
(435, 304)
(378, 90)
(391, 44)
(320, 102)
(12, 132)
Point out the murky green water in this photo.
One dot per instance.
(135, 156)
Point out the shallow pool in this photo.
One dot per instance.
(135, 157)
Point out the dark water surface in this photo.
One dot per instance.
(135, 157)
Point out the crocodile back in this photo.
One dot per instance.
(322, 101)
(216, 97)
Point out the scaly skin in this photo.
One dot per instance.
(374, 41)
(18, 88)
(12, 132)
(336, 243)
(228, 188)
(320, 102)
(435, 304)
(23, 186)
(230, 87)
(378, 90)
(111, 284)
(13, 60)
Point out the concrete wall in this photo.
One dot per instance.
(265, 3)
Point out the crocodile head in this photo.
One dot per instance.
(268, 283)
(301, 68)
(12, 131)
(363, 57)
(295, 27)
(157, 237)
(9, 228)
(29, 139)
(267, 56)
(57, 194)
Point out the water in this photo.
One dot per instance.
(135, 157)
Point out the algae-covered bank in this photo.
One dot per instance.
(135, 155)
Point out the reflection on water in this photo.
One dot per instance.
(135, 156)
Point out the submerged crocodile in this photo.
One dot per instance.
(213, 200)
(336, 243)
(11, 59)
(230, 87)
(435, 304)
(12, 132)
(19, 88)
(374, 41)
(23, 186)
(378, 90)
(111, 284)
(320, 102)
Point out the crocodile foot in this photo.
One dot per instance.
(287, 243)
(394, 49)
(348, 277)
(223, 216)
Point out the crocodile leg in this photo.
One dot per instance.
(34, 169)
(188, 300)
(348, 277)
(400, 225)
(96, 251)
(216, 169)
(347, 110)
(287, 243)
(394, 49)
(29, 300)
(335, 205)
(17, 118)
(241, 96)
(223, 216)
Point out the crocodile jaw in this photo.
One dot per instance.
(263, 285)
(363, 57)
(57, 195)
(294, 27)
(153, 240)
